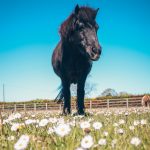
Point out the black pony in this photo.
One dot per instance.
(73, 56)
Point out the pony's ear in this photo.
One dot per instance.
(96, 11)
(77, 8)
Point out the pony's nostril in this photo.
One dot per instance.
(94, 50)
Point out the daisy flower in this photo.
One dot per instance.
(135, 141)
(87, 142)
(62, 129)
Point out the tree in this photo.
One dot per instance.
(124, 94)
(89, 89)
(109, 92)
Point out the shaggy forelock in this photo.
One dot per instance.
(86, 14)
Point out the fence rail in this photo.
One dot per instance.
(107, 103)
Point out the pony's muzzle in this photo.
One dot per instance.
(95, 54)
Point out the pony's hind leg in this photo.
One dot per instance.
(66, 93)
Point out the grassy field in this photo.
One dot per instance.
(118, 129)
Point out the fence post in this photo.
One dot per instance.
(15, 107)
(24, 107)
(3, 108)
(90, 104)
(46, 106)
(60, 107)
(75, 105)
(34, 106)
(127, 102)
(107, 103)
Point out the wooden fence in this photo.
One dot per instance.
(107, 103)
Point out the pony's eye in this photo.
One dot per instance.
(80, 26)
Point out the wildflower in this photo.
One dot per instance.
(121, 121)
(50, 130)
(97, 125)
(120, 131)
(17, 115)
(87, 142)
(30, 121)
(135, 141)
(113, 143)
(120, 112)
(72, 123)
(115, 125)
(14, 116)
(126, 113)
(85, 124)
(131, 128)
(16, 126)
(43, 122)
(32, 116)
(53, 120)
(61, 121)
(105, 133)
(62, 129)
(22, 143)
(136, 122)
(143, 122)
(11, 138)
(102, 142)
(26, 118)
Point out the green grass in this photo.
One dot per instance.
(40, 139)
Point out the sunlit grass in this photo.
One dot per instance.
(102, 129)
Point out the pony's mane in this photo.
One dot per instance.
(85, 14)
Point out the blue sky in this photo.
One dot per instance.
(29, 33)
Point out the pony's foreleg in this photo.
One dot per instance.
(148, 104)
(143, 103)
(66, 93)
(80, 96)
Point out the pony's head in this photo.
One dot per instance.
(80, 29)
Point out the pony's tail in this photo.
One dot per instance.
(59, 98)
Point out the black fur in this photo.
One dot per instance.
(73, 56)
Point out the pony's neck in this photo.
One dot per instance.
(69, 47)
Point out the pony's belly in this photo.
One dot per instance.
(73, 77)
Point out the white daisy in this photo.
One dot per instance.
(136, 122)
(53, 120)
(15, 126)
(120, 131)
(85, 125)
(121, 121)
(131, 128)
(105, 133)
(50, 130)
(22, 143)
(135, 141)
(113, 143)
(87, 142)
(143, 122)
(30, 121)
(97, 125)
(11, 138)
(115, 124)
(102, 142)
(62, 129)
(43, 122)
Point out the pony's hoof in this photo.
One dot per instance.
(65, 113)
(79, 113)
